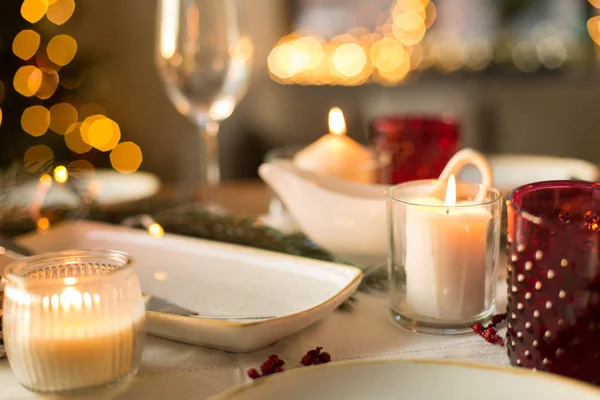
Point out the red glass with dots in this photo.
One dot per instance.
(554, 278)
(420, 146)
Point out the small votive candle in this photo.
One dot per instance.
(73, 321)
(443, 255)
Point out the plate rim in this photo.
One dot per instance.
(347, 290)
(226, 394)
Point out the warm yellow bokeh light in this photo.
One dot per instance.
(25, 44)
(63, 117)
(81, 168)
(28, 80)
(61, 49)
(33, 10)
(156, 230)
(38, 159)
(0, 117)
(349, 59)
(86, 124)
(103, 134)
(43, 224)
(311, 51)
(284, 61)
(60, 11)
(388, 55)
(593, 26)
(126, 157)
(87, 110)
(49, 84)
(46, 179)
(35, 120)
(61, 175)
(74, 140)
(595, 3)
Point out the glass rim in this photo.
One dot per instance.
(564, 183)
(13, 273)
(448, 118)
(497, 194)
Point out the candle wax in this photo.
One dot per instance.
(339, 156)
(446, 252)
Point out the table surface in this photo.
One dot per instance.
(181, 371)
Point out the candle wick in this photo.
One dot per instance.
(447, 211)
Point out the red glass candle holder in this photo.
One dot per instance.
(420, 146)
(554, 278)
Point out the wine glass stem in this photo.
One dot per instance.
(209, 133)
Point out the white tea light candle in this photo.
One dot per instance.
(73, 321)
(446, 249)
(444, 253)
(335, 154)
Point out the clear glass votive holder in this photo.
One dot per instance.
(73, 321)
(553, 278)
(443, 260)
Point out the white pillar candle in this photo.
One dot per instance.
(446, 249)
(335, 154)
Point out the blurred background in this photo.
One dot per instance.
(79, 84)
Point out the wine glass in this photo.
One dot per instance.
(204, 58)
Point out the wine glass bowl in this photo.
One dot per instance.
(204, 58)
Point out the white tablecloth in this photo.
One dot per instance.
(180, 371)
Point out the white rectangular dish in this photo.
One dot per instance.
(215, 278)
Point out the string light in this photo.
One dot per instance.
(61, 49)
(386, 55)
(33, 10)
(74, 141)
(61, 174)
(63, 118)
(28, 80)
(60, 11)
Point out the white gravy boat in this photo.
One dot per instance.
(346, 218)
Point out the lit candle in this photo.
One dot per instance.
(335, 154)
(446, 249)
(78, 332)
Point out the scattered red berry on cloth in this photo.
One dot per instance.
(489, 332)
(274, 364)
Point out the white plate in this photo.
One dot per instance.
(115, 188)
(396, 379)
(511, 171)
(214, 278)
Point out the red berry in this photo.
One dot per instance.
(478, 328)
(253, 373)
(324, 357)
(306, 360)
(278, 369)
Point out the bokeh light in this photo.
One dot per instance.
(43, 224)
(156, 230)
(33, 10)
(385, 55)
(25, 44)
(60, 11)
(81, 168)
(27, 80)
(38, 159)
(103, 134)
(35, 120)
(61, 175)
(48, 85)
(0, 117)
(61, 49)
(126, 157)
(75, 142)
(63, 118)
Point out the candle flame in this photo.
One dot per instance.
(450, 200)
(337, 124)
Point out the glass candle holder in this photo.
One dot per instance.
(443, 259)
(420, 146)
(73, 321)
(553, 278)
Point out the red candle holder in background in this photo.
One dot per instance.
(554, 278)
(420, 146)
